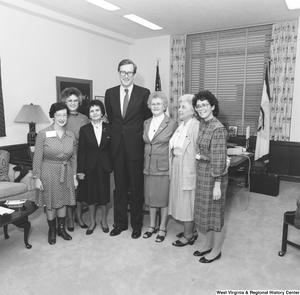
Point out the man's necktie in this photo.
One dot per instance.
(125, 103)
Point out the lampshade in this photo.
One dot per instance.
(293, 4)
(31, 113)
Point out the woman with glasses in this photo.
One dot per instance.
(212, 177)
(183, 170)
(72, 97)
(94, 165)
(157, 133)
(54, 170)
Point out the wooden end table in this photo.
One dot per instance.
(19, 218)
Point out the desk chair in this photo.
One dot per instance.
(288, 219)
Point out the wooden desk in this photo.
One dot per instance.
(241, 161)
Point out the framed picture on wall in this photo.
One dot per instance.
(85, 86)
(233, 130)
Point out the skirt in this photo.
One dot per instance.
(156, 190)
(181, 202)
(95, 188)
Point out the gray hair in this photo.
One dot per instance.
(186, 98)
(158, 94)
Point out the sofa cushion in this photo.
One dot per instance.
(4, 162)
(9, 189)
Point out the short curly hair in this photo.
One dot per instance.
(58, 106)
(95, 102)
(158, 94)
(207, 95)
(67, 92)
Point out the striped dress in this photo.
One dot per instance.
(55, 164)
(212, 146)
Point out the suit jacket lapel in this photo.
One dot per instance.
(162, 126)
(91, 134)
(188, 135)
(115, 97)
(146, 129)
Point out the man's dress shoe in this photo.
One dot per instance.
(136, 233)
(117, 230)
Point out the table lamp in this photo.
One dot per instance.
(31, 114)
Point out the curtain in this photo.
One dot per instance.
(282, 71)
(177, 73)
(2, 119)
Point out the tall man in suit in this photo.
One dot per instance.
(127, 109)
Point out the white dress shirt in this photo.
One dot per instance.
(98, 131)
(154, 125)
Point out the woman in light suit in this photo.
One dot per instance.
(183, 170)
(94, 165)
(157, 133)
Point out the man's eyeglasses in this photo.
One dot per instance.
(129, 74)
(202, 106)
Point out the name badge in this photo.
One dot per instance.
(51, 133)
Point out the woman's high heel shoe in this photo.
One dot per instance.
(205, 260)
(198, 253)
(160, 238)
(190, 241)
(82, 226)
(181, 234)
(148, 233)
(90, 231)
(104, 229)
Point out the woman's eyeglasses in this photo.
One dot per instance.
(61, 116)
(203, 106)
(72, 101)
(158, 104)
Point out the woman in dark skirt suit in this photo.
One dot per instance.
(94, 165)
(157, 133)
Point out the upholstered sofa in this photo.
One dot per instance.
(9, 189)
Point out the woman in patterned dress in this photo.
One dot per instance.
(54, 170)
(212, 177)
(94, 165)
(182, 153)
(72, 97)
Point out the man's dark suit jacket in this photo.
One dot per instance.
(130, 127)
(89, 153)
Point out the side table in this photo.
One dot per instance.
(19, 218)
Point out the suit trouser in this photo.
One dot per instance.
(127, 173)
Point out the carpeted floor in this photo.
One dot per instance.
(236, 201)
(100, 264)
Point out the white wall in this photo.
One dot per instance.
(34, 51)
(145, 53)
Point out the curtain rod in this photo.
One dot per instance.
(259, 25)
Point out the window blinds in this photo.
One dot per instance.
(231, 64)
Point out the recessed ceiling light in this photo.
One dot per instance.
(104, 4)
(142, 22)
(293, 4)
